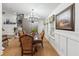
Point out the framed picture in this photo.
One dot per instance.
(20, 17)
(65, 20)
(52, 25)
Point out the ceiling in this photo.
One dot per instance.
(43, 9)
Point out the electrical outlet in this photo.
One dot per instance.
(62, 49)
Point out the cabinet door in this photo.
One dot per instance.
(73, 48)
(63, 45)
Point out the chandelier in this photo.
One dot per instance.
(33, 17)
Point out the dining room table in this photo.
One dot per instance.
(36, 36)
(35, 41)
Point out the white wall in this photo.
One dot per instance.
(67, 42)
(40, 26)
(9, 28)
(28, 26)
(1, 48)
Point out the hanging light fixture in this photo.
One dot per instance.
(33, 16)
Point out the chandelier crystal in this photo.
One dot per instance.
(33, 17)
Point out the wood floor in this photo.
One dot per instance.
(14, 49)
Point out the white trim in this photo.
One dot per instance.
(1, 51)
(59, 53)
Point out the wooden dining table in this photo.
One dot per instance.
(36, 37)
(35, 41)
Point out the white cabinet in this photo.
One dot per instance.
(9, 29)
(73, 48)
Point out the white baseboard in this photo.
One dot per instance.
(59, 53)
(1, 52)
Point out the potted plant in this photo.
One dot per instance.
(34, 31)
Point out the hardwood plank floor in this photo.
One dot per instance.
(14, 49)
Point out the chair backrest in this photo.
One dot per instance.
(4, 38)
(20, 33)
(26, 42)
(42, 35)
(33, 34)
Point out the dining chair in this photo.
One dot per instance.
(20, 33)
(5, 41)
(26, 45)
(33, 34)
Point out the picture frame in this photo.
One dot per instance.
(65, 20)
(52, 25)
